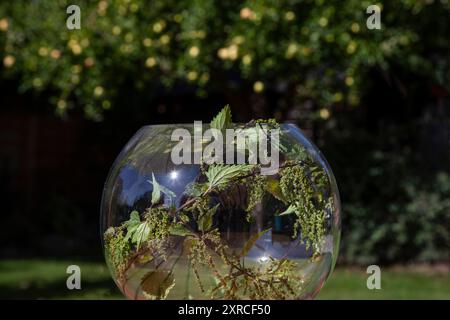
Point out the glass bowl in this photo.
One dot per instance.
(174, 230)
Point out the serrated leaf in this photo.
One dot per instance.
(219, 174)
(250, 242)
(179, 230)
(157, 284)
(223, 119)
(196, 189)
(156, 193)
(291, 209)
(205, 220)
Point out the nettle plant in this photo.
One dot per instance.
(301, 189)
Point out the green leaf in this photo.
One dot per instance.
(156, 193)
(219, 174)
(167, 192)
(132, 224)
(158, 189)
(250, 242)
(291, 209)
(223, 119)
(141, 234)
(205, 220)
(157, 284)
(196, 189)
(134, 218)
(180, 230)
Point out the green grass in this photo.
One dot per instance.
(46, 279)
(351, 284)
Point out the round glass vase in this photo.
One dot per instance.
(176, 231)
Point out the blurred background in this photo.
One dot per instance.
(376, 102)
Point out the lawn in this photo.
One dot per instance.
(46, 279)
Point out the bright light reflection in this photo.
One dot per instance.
(263, 259)
(173, 175)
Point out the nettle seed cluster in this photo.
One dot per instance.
(301, 187)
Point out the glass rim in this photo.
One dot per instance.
(205, 126)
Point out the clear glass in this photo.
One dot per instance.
(258, 245)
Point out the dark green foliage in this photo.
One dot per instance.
(395, 206)
(322, 50)
(413, 228)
